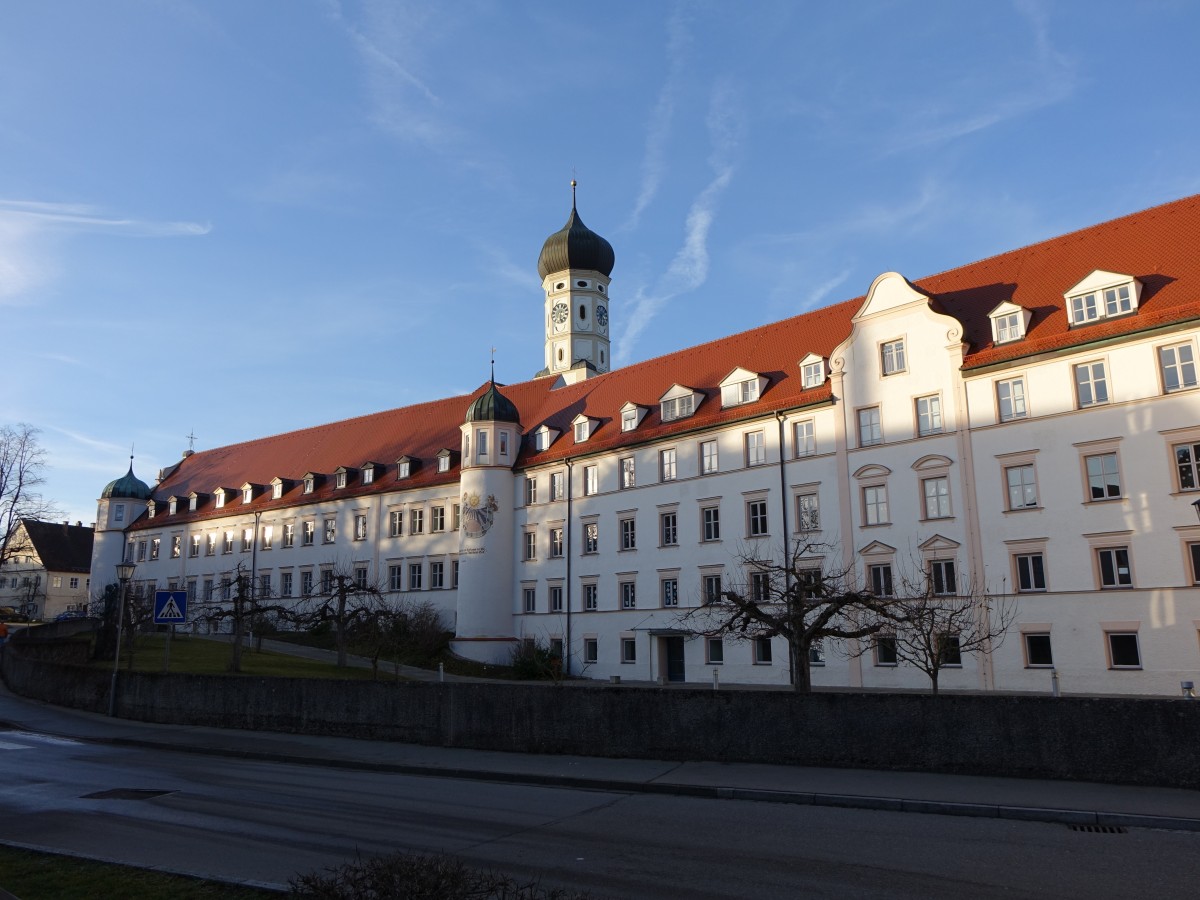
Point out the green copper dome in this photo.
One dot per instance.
(575, 246)
(127, 487)
(493, 406)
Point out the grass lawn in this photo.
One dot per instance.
(192, 655)
(30, 875)
(454, 665)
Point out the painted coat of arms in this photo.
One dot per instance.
(478, 515)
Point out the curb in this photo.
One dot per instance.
(803, 798)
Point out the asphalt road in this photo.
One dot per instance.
(264, 822)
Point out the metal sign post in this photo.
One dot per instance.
(170, 608)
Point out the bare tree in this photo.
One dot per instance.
(935, 626)
(343, 598)
(244, 608)
(399, 630)
(800, 599)
(22, 468)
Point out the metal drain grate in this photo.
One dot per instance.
(126, 794)
(1100, 829)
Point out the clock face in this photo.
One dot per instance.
(559, 313)
(602, 316)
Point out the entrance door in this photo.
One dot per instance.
(673, 650)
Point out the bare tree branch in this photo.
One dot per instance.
(22, 468)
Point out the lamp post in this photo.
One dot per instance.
(124, 575)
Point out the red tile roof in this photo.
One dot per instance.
(1157, 246)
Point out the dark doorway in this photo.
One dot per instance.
(673, 649)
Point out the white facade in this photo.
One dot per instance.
(1021, 454)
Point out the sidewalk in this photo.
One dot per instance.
(1075, 803)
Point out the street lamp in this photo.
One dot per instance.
(124, 575)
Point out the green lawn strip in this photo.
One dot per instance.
(454, 665)
(30, 875)
(191, 655)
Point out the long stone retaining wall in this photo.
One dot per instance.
(1121, 740)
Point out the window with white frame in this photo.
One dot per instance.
(870, 431)
(714, 651)
(396, 523)
(368, 474)
(875, 504)
(628, 595)
(1123, 650)
(760, 587)
(590, 596)
(1031, 572)
(756, 448)
(218, 500)
(556, 598)
(443, 463)
(808, 512)
(581, 431)
(880, 576)
(891, 355)
(360, 577)
(396, 578)
(1092, 305)
(248, 494)
(285, 584)
(501, 439)
(677, 407)
(1104, 478)
(1193, 551)
(591, 480)
(403, 468)
(415, 572)
(416, 522)
(306, 583)
(1010, 327)
(330, 530)
(942, 578)
(711, 587)
(628, 534)
(327, 581)
(454, 573)
(1010, 399)
(804, 438)
(556, 542)
(812, 374)
(1177, 365)
(666, 464)
(557, 486)
(1022, 486)
(437, 518)
(530, 490)
(194, 546)
(1187, 465)
(267, 536)
(176, 541)
(670, 591)
(591, 538)
(437, 576)
(591, 650)
(360, 527)
(310, 531)
(708, 457)
(710, 519)
(756, 518)
(210, 545)
(1038, 652)
(949, 648)
(747, 391)
(629, 419)
(309, 484)
(816, 653)
(628, 472)
(669, 529)
(1113, 563)
(340, 479)
(929, 415)
(481, 445)
(530, 599)
(1091, 386)
(628, 650)
(762, 651)
(937, 497)
(276, 490)
(529, 539)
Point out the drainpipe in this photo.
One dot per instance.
(787, 541)
(567, 587)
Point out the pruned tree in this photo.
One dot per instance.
(395, 630)
(934, 625)
(801, 599)
(242, 607)
(139, 612)
(343, 598)
(103, 606)
(22, 472)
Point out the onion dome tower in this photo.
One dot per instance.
(491, 441)
(121, 502)
(575, 265)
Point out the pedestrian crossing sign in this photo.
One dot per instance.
(170, 607)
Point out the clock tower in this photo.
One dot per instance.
(575, 265)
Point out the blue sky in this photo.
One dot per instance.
(244, 218)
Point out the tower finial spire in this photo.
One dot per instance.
(493, 365)
(573, 184)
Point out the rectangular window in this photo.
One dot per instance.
(881, 579)
(228, 548)
(326, 581)
(804, 438)
(1031, 572)
(1010, 399)
(529, 539)
(416, 522)
(396, 523)
(454, 574)
(929, 415)
(581, 431)
(875, 504)
(714, 650)
(710, 518)
(530, 490)
(667, 464)
(712, 588)
(289, 535)
(74, 584)
(1084, 308)
(1187, 465)
(760, 587)
(437, 518)
(396, 578)
(176, 541)
(942, 577)
(1091, 387)
(591, 650)
(813, 374)
(1178, 367)
(885, 649)
(756, 518)
(1008, 328)
(1194, 556)
(628, 534)
(154, 544)
(678, 408)
(628, 474)
(414, 576)
(816, 654)
(669, 529)
(285, 584)
(455, 516)
(937, 498)
(210, 544)
(556, 598)
(949, 650)
(208, 590)
(502, 440)
(1022, 487)
(481, 444)
(1123, 650)
(762, 651)
(437, 576)
(808, 512)
(628, 595)
(530, 595)
(557, 486)
(1114, 567)
(360, 527)
(267, 536)
(368, 474)
(264, 584)
(194, 546)
(1038, 653)
(892, 357)
(869, 429)
(670, 592)
(590, 595)
(591, 538)
(628, 650)
(1104, 481)
(629, 419)
(556, 542)
(247, 539)
(330, 530)
(708, 457)
(756, 448)
(306, 584)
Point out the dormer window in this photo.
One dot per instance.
(678, 403)
(193, 501)
(172, 505)
(309, 483)
(631, 416)
(583, 427)
(403, 467)
(741, 386)
(247, 493)
(340, 477)
(543, 437)
(368, 473)
(150, 509)
(812, 371)
(1009, 322)
(276, 488)
(1102, 295)
(219, 498)
(443, 460)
